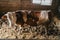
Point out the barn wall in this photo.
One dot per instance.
(12, 5)
(9, 5)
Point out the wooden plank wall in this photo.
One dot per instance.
(12, 5)
(9, 5)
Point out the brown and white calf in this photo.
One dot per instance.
(40, 16)
(15, 18)
(29, 17)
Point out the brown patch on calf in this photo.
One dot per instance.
(25, 15)
(4, 18)
(31, 20)
(21, 17)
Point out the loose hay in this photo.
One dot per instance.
(26, 32)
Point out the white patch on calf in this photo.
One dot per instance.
(9, 21)
(11, 18)
(43, 17)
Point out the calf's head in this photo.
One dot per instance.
(10, 18)
(40, 16)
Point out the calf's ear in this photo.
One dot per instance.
(4, 17)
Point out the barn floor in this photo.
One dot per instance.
(28, 32)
